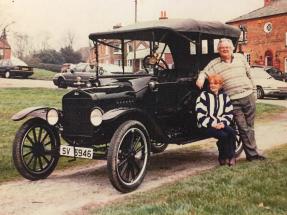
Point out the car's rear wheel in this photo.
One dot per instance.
(260, 92)
(7, 74)
(35, 149)
(128, 156)
(238, 145)
(62, 83)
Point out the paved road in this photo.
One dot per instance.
(12, 83)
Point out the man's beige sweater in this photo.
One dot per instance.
(238, 82)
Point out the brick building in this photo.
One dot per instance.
(264, 34)
(5, 49)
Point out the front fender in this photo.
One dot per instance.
(31, 112)
(137, 114)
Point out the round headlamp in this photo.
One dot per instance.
(52, 116)
(96, 117)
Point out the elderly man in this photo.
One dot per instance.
(239, 86)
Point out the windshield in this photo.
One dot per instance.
(260, 73)
(135, 57)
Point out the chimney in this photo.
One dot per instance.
(267, 2)
(163, 15)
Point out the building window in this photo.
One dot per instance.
(286, 39)
(215, 45)
(243, 34)
(1, 53)
(117, 50)
(285, 65)
(248, 58)
(118, 62)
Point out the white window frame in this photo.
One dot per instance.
(286, 39)
(248, 57)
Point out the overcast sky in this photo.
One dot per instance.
(42, 19)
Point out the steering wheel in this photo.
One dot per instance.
(153, 61)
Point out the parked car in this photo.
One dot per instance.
(15, 67)
(75, 75)
(126, 120)
(274, 72)
(267, 86)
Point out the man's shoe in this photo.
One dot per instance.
(231, 162)
(222, 162)
(256, 157)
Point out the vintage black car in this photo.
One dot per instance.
(128, 118)
(15, 68)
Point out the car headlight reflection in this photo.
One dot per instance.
(96, 117)
(52, 116)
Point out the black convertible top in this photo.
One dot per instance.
(155, 30)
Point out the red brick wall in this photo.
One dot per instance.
(259, 42)
(6, 49)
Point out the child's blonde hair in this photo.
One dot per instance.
(215, 78)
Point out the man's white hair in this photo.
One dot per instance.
(225, 40)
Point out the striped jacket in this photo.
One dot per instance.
(212, 109)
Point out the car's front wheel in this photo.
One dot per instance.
(260, 92)
(35, 149)
(62, 83)
(7, 74)
(128, 156)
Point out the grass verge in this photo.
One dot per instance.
(248, 188)
(42, 74)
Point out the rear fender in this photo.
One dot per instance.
(32, 112)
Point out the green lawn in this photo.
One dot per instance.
(248, 188)
(14, 100)
(42, 74)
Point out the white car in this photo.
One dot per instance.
(267, 86)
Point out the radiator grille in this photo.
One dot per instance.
(77, 117)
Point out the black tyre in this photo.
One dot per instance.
(7, 74)
(158, 147)
(260, 93)
(35, 149)
(128, 156)
(62, 83)
(238, 144)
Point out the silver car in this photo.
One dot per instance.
(267, 86)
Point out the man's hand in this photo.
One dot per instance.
(199, 83)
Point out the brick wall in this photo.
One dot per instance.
(260, 44)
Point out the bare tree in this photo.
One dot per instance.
(69, 39)
(21, 45)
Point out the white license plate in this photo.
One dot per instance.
(79, 152)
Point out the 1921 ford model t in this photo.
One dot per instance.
(131, 115)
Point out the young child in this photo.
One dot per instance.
(214, 116)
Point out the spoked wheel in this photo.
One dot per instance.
(158, 147)
(35, 149)
(238, 143)
(128, 156)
